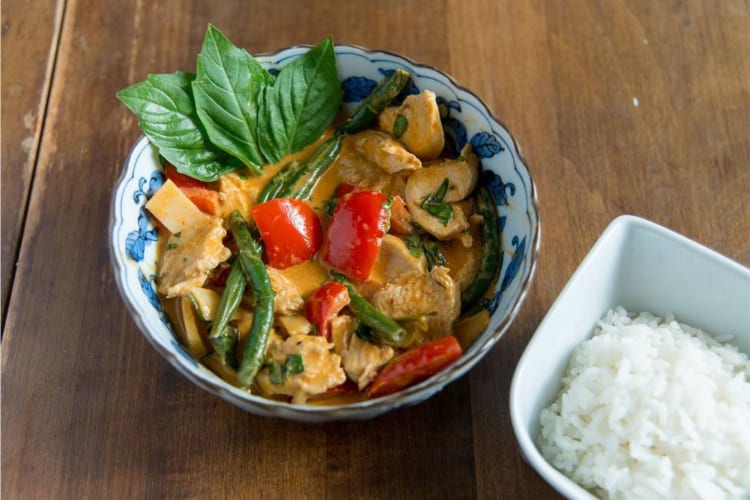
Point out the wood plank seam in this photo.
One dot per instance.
(45, 99)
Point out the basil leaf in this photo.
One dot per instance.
(434, 205)
(399, 126)
(294, 364)
(414, 244)
(433, 254)
(364, 333)
(276, 375)
(166, 114)
(302, 102)
(226, 90)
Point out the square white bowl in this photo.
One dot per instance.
(643, 267)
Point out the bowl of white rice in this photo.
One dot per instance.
(636, 383)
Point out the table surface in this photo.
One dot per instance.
(633, 107)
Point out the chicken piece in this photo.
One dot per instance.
(432, 294)
(287, 299)
(361, 360)
(190, 256)
(321, 367)
(456, 228)
(423, 133)
(461, 173)
(394, 259)
(385, 152)
(237, 194)
(353, 168)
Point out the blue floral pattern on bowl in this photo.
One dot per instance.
(133, 236)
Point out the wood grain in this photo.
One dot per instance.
(620, 107)
(29, 45)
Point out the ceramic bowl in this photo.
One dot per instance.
(133, 236)
(643, 267)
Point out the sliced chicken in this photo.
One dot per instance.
(419, 127)
(385, 152)
(433, 295)
(456, 228)
(461, 173)
(190, 256)
(353, 168)
(321, 368)
(287, 298)
(395, 259)
(237, 194)
(361, 359)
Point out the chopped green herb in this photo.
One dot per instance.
(399, 125)
(434, 205)
(414, 244)
(177, 235)
(387, 207)
(330, 205)
(171, 246)
(364, 332)
(276, 373)
(294, 364)
(433, 255)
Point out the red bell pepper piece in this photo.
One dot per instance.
(182, 180)
(207, 200)
(415, 365)
(356, 232)
(400, 217)
(290, 229)
(343, 189)
(325, 304)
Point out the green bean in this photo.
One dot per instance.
(225, 345)
(221, 336)
(381, 96)
(490, 258)
(316, 166)
(279, 182)
(385, 329)
(257, 276)
(283, 183)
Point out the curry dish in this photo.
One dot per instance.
(349, 270)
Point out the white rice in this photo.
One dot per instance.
(651, 408)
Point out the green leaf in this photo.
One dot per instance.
(434, 205)
(166, 114)
(276, 375)
(414, 244)
(399, 125)
(226, 90)
(303, 100)
(294, 364)
(433, 254)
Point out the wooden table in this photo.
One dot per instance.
(635, 107)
